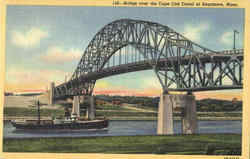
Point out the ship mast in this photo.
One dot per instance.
(38, 112)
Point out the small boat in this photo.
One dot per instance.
(72, 122)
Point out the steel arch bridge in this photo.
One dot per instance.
(179, 63)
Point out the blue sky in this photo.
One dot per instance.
(45, 43)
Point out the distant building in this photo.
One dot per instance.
(8, 94)
(100, 102)
(116, 102)
(29, 93)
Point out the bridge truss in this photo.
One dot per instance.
(179, 63)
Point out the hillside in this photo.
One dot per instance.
(204, 105)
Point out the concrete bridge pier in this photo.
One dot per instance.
(165, 123)
(91, 111)
(76, 106)
(51, 93)
(186, 104)
(189, 115)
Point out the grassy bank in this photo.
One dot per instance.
(121, 114)
(176, 144)
(17, 111)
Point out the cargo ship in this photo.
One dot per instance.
(60, 124)
(69, 122)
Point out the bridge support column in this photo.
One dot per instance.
(91, 108)
(51, 93)
(165, 116)
(186, 104)
(76, 106)
(189, 116)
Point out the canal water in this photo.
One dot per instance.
(127, 128)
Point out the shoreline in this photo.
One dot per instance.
(176, 118)
(9, 118)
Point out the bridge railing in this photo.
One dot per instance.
(144, 64)
(236, 51)
(144, 61)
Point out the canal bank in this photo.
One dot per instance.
(212, 118)
(212, 144)
(12, 113)
(20, 107)
(115, 118)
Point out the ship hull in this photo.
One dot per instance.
(79, 125)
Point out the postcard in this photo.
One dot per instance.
(124, 79)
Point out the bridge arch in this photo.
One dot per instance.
(120, 33)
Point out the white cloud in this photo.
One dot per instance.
(59, 55)
(28, 39)
(194, 32)
(33, 76)
(227, 38)
(152, 82)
